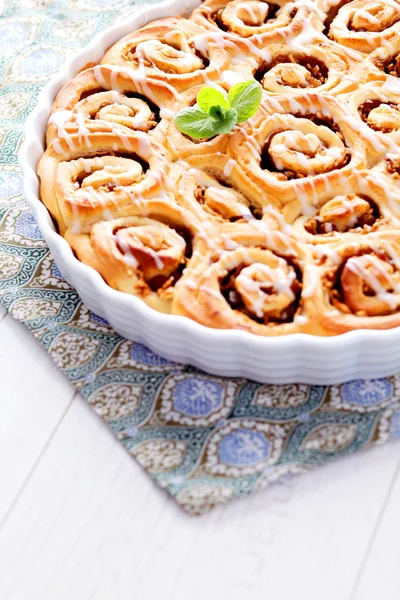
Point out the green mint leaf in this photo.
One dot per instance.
(245, 98)
(209, 97)
(226, 124)
(195, 123)
(218, 112)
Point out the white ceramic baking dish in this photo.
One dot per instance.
(298, 358)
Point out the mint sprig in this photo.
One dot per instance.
(215, 112)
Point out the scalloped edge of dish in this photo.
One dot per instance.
(295, 358)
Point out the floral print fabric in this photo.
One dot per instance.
(205, 439)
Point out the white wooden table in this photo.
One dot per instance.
(79, 520)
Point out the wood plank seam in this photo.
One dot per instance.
(374, 533)
(37, 461)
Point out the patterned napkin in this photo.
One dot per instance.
(204, 439)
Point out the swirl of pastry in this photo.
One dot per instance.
(278, 19)
(365, 25)
(383, 65)
(104, 97)
(360, 284)
(307, 150)
(140, 255)
(368, 273)
(365, 205)
(320, 68)
(255, 285)
(379, 107)
(164, 50)
(389, 170)
(243, 54)
(210, 198)
(298, 147)
(85, 183)
(263, 287)
(328, 10)
(344, 213)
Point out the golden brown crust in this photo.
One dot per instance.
(166, 49)
(83, 183)
(287, 224)
(377, 103)
(320, 67)
(383, 65)
(364, 25)
(298, 147)
(264, 21)
(358, 285)
(211, 198)
(108, 97)
(250, 279)
(141, 255)
(364, 206)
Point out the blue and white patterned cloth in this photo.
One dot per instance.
(204, 439)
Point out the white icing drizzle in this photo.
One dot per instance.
(57, 147)
(232, 77)
(166, 113)
(59, 119)
(279, 277)
(273, 238)
(312, 281)
(230, 43)
(230, 165)
(301, 319)
(137, 77)
(308, 188)
(322, 250)
(306, 36)
(356, 265)
(127, 253)
(391, 85)
(211, 292)
(229, 243)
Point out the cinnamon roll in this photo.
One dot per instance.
(210, 198)
(328, 10)
(363, 206)
(299, 147)
(104, 98)
(165, 50)
(278, 19)
(287, 223)
(384, 65)
(244, 56)
(255, 284)
(140, 255)
(365, 25)
(360, 284)
(389, 172)
(82, 183)
(379, 108)
(319, 68)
